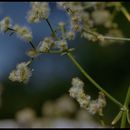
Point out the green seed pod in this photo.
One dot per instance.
(117, 118)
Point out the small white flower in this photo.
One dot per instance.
(61, 24)
(5, 24)
(32, 53)
(76, 82)
(62, 45)
(93, 107)
(23, 32)
(22, 73)
(101, 99)
(96, 106)
(38, 12)
(62, 5)
(77, 87)
(84, 100)
(70, 35)
(45, 45)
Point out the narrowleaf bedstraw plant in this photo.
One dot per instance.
(84, 20)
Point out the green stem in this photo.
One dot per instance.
(87, 76)
(106, 37)
(48, 22)
(14, 31)
(51, 52)
(52, 30)
(116, 38)
(126, 103)
(92, 81)
(32, 45)
(126, 13)
(123, 120)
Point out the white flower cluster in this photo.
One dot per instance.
(65, 33)
(86, 17)
(70, 35)
(96, 106)
(39, 11)
(45, 45)
(23, 32)
(74, 10)
(80, 20)
(22, 73)
(77, 92)
(92, 106)
(62, 45)
(5, 24)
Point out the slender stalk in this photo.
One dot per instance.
(52, 30)
(123, 120)
(126, 13)
(93, 81)
(13, 31)
(116, 38)
(32, 45)
(126, 103)
(87, 76)
(51, 52)
(127, 100)
(48, 22)
(106, 37)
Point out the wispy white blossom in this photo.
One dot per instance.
(62, 45)
(39, 11)
(5, 24)
(23, 32)
(46, 44)
(92, 106)
(22, 73)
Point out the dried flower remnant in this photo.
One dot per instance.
(92, 106)
(22, 73)
(23, 32)
(33, 53)
(39, 11)
(70, 35)
(62, 45)
(46, 45)
(74, 10)
(77, 92)
(5, 24)
(77, 87)
(97, 105)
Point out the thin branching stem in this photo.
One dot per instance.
(116, 38)
(125, 12)
(48, 22)
(107, 37)
(126, 103)
(93, 81)
(30, 42)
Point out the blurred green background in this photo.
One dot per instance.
(108, 65)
